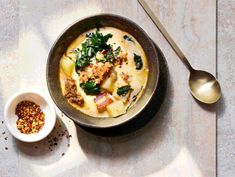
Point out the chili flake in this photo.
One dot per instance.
(30, 117)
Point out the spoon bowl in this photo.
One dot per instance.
(204, 86)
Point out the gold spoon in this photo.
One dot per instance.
(203, 85)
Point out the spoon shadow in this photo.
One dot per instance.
(207, 107)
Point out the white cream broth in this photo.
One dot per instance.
(137, 78)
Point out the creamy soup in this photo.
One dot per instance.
(103, 72)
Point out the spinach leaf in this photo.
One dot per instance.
(82, 62)
(90, 87)
(138, 61)
(101, 60)
(128, 38)
(116, 51)
(122, 91)
(98, 41)
(95, 42)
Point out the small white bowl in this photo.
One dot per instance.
(45, 105)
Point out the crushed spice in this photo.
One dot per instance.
(30, 117)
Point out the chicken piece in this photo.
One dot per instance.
(84, 77)
(101, 71)
(71, 92)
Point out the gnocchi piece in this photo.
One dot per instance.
(67, 66)
(116, 108)
(109, 83)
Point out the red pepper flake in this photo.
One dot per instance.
(5, 138)
(3, 133)
(62, 154)
(2, 122)
(6, 148)
(30, 117)
(68, 145)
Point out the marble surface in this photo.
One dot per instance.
(179, 141)
(226, 73)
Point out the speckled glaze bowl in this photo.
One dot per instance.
(71, 33)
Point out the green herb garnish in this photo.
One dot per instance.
(138, 61)
(90, 87)
(98, 41)
(122, 91)
(95, 42)
(116, 51)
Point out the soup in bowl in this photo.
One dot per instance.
(102, 71)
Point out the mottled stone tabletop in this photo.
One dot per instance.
(184, 139)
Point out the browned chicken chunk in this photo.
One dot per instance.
(101, 71)
(71, 92)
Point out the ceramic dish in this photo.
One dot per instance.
(68, 36)
(46, 106)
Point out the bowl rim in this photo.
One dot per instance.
(48, 102)
(155, 83)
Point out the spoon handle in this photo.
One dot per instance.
(166, 34)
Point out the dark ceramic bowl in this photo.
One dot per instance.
(71, 33)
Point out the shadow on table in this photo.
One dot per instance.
(207, 107)
(151, 145)
(221, 106)
(48, 150)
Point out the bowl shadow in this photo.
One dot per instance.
(124, 148)
(145, 116)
